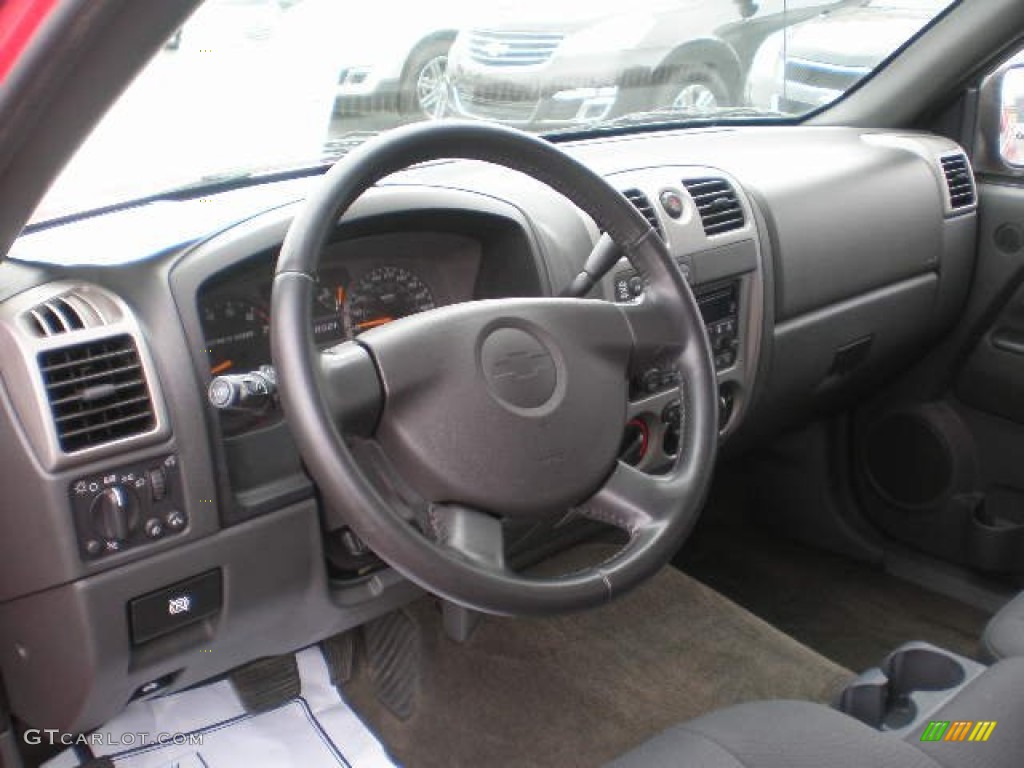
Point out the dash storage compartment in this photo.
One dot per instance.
(911, 682)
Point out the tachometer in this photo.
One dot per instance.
(237, 335)
(384, 294)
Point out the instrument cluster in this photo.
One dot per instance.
(362, 284)
(237, 327)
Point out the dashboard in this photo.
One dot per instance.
(821, 258)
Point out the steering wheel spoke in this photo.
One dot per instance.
(633, 501)
(656, 334)
(352, 389)
(471, 533)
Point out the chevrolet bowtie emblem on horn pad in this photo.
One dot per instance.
(518, 368)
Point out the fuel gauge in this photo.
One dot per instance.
(328, 314)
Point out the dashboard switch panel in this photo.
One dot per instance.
(127, 506)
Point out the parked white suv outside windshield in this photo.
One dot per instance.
(250, 87)
(813, 63)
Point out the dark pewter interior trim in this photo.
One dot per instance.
(784, 378)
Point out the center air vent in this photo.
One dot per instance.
(643, 204)
(71, 311)
(97, 392)
(958, 181)
(719, 208)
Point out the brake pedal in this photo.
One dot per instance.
(266, 684)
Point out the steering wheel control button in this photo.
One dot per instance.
(171, 608)
(518, 368)
(116, 509)
(623, 292)
(672, 203)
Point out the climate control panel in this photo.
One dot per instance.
(127, 506)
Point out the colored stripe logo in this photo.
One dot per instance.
(958, 730)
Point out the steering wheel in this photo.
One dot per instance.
(427, 432)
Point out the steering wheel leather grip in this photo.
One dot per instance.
(510, 408)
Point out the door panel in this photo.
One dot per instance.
(993, 378)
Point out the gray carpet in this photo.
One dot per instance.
(848, 611)
(579, 690)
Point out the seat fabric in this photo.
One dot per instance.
(997, 695)
(797, 734)
(1004, 635)
(774, 734)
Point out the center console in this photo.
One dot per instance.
(708, 225)
(652, 433)
(719, 307)
(907, 687)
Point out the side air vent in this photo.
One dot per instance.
(97, 392)
(71, 311)
(958, 180)
(642, 204)
(719, 208)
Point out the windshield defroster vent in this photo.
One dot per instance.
(719, 208)
(97, 392)
(641, 202)
(958, 181)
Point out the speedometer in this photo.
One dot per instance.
(384, 294)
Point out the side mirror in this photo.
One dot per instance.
(747, 8)
(1011, 116)
(999, 143)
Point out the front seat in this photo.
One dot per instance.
(796, 734)
(1004, 635)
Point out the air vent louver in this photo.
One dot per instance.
(719, 208)
(958, 180)
(97, 392)
(71, 311)
(643, 204)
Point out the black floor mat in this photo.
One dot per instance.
(579, 690)
(850, 612)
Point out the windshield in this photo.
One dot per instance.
(925, 6)
(249, 87)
